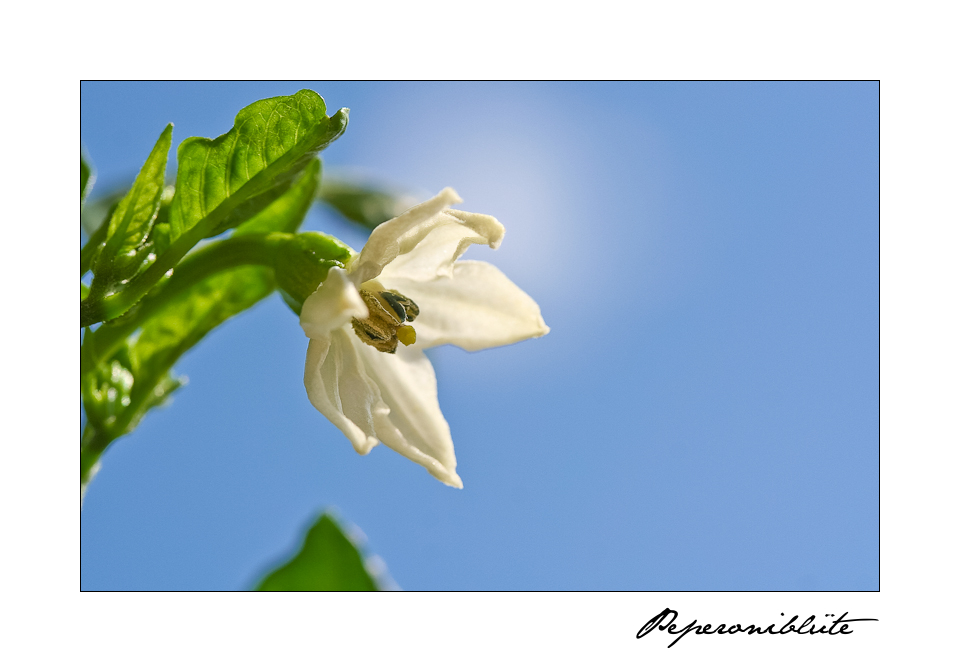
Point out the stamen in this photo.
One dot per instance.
(394, 302)
(407, 334)
(384, 327)
(406, 306)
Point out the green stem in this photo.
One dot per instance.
(251, 249)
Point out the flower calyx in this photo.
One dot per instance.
(303, 260)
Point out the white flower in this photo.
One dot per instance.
(408, 271)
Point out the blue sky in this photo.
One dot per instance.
(704, 414)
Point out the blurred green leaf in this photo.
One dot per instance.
(97, 212)
(328, 560)
(363, 204)
(115, 401)
(96, 233)
(106, 393)
(84, 290)
(271, 141)
(87, 177)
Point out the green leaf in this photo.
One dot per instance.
(286, 214)
(224, 182)
(364, 204)
(247, 168)
(328, 560)
(87, 177)
(133, 218)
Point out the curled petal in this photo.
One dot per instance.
(339, 387)
(401, 235)
(452, 233)
(476, 307)
(335, 303)
(414, 427)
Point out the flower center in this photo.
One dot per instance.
(385, 327)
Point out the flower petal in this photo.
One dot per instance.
(339, 387)
(402, 234)
(476, 307)
(333, 305)
(414, 427)
(452, 232)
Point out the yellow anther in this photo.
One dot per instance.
(407, 334)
